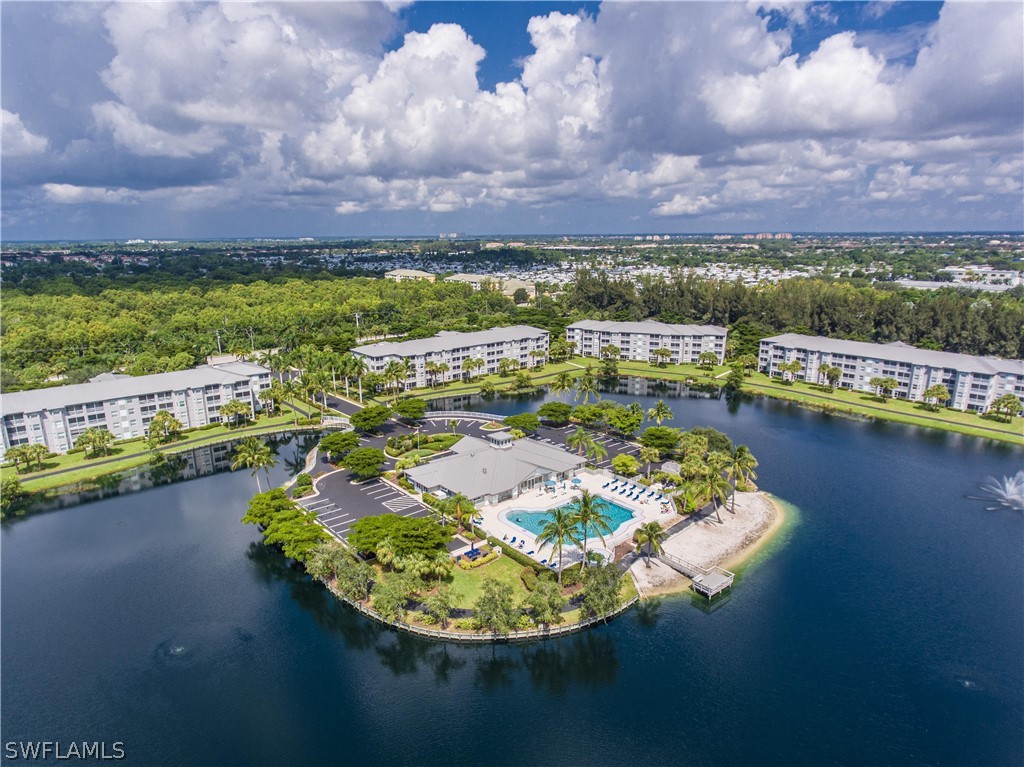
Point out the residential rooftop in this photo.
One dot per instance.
(651, 327)
(447, 340)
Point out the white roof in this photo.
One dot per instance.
(447, 341)
(479, 468)
(899, 352)
(410, 273)
(57, 397)
(651, 327)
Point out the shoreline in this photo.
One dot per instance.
(661, 580)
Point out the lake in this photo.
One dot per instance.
(886, 625)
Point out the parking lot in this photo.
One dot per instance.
(340, 504)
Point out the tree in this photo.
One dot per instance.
(440, 604)
(391, 595)
(405, 535)
(94, 440)
(11, 492)
(462, 510)
(20, 454)
(1007, 404)
(440, 565)
(546, 602)
(740, 469)
(734, 380)
(370, 418)
(625, 465)
(365, 462)
(495, 609)
(253, 454)
(338, 443)
(268, 398)
(526, 422)
(564, 382)
(559, 529)
(165, 426)
(662, 356)
(833, 374)
(471, 364)
(791, 369)
(411, 409)
(885, 386)
(38, 452)
(747, 361)
(591, 517)
(650, 535)
(714, 485)
(233, 409)
(662, 438)
(649, 455)
(580, 441)
(602, 589)
(586, 387)
(709, 439)
(610, 350)
(934, 395)
(660, 412)
(707, 360)
(596, 451)
(555, 412)
(507, 366)
(326, 559)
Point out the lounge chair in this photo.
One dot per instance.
(605, 485)
(504, 537)
(650, 494)
(553, 566)
(522, 543)
(513, 539)
(530, 553)
(543, 561)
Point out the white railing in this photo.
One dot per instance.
(463, 414)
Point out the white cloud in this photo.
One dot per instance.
(69, 194)
(17, 140)
(837, 89)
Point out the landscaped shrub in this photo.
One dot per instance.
(303, 485)
(466, 564)
(426, 618)
(570, 576)
(466, 624)
(529, 577)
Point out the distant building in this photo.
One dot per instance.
(488, 471)
(638, 340)
(984, 275)
(125, 405)
(401, 275)
(453, 349)
(973, 382)
(507, 286)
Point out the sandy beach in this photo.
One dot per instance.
(708, 542)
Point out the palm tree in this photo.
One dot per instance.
(393, 374)
(649, 455)
(358, 368)
(253, 454)
(596, 451)
(564, 382)
(740, 469)
(713, 483)
(579, 440)
(440, 565)
(430, 367)
(591, 517)
(385, 552)
(651, 535)
(266, 396)
(442, 368)
(462, 510)
(586, 386)
(560, 529)
(660, 412)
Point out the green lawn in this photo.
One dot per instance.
(540, 377)
(469, 584)
(131, 455)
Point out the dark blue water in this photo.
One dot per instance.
(888, 628)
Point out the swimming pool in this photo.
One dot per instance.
(534, 521)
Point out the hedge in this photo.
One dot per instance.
(516, 556)
(466, 564)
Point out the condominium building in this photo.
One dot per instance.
(401, 275)
(973, 382)
(125, 405)
(638, 341)
(526, 345)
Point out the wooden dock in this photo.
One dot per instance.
(710, 583)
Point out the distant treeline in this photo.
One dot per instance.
(76, 327)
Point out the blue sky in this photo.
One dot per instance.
(344, 119)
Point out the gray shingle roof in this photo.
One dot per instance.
(56, 397)
(478, 468)
(446, 341)
(900, 352)
(649, 326)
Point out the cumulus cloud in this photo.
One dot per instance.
(17, 140)
(687, 111)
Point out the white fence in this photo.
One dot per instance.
(464, 414)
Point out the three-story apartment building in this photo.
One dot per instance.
(973, 382)
(526, 345)
(125, 405)
(637, 341)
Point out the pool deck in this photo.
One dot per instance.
(543, 500)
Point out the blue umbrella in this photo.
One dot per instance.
(549, 482)
(577, 481)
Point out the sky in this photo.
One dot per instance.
(238, 119)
